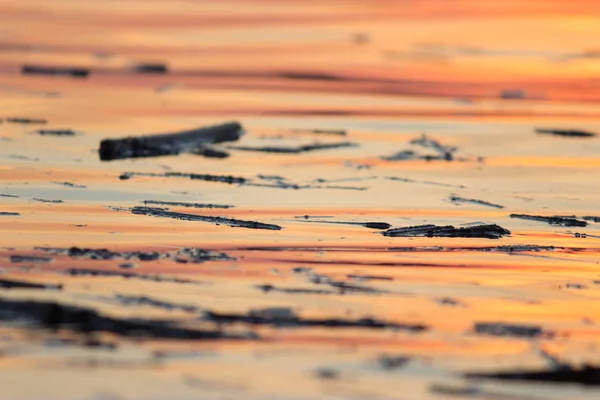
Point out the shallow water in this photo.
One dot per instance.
(385, 72)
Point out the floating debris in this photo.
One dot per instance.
(575, 286)
(457, 199)
(194, 140)
(393, 362)
(72, 185)
(200, 177)
(184, 255)
(188, 205)
(56, 71)
(20, 157)
(103, 254)
(274, 312)
(99, 272)
(513, 94)
(271, 288)
(321, 131)
(370, 277)
(148, 301)
(401, 156)
(294, 150)
(491, 231)
(405, 155)
(514, 330)
(554, 220)
(150, 68)
(591, 218)
(273, 183)
(17, 120)
(53, 315)
(407, 180)
(55, 132)
(209, 152)
(566, 132)
(168, 87)
(14, 284)
(236, 223)
(350, 288)
(517, 248)
(446, 152)
(196, 256)
(585, 375)
(371, 225)
(29, 259)
(9, 214)
(128, 275)
(327, 373)
(295, 321)
(448, 301)
(47, 201)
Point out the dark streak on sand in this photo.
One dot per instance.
(236, 223)
(491, 231)
(9, 214)
(553, 220)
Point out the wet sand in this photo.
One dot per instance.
(325, 307)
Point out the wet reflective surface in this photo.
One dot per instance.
(325, 308)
